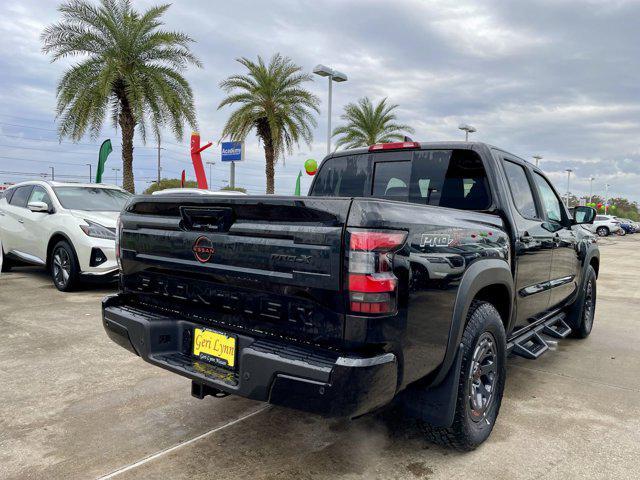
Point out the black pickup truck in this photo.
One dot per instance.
(409, 273)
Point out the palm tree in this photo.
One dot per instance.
(368, 125)
(130, 70)
(272, 101)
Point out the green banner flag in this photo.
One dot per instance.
(105, 150)
(297, 192)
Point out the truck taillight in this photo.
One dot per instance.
(372, 285)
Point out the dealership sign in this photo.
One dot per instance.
(232, 151)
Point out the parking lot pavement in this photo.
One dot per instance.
(75, 405)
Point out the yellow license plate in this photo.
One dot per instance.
(215, 347)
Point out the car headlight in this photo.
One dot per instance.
(96, 230)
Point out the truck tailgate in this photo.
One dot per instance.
(264, 264)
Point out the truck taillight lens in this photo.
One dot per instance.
(372, 285)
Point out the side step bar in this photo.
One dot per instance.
(531, 344)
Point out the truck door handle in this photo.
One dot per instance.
(20, 221)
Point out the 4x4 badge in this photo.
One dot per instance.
(203, 249)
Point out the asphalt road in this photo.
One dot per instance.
(75, 405)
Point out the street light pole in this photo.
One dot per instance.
(211, 164)
(537, 158)
(467, 130)
(116, 170)
(606, 197)
(568, 184)
(89, 165)
(159, 168)
(333, 76)
(591, 179)
(53, 173)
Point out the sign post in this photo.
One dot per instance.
(232, 152)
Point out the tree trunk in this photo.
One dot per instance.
(127, 127)
(264, 132)
(269, 166)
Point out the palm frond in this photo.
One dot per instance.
(367, 124)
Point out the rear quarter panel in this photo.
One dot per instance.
(442, 244)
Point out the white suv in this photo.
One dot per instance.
(67, 228)
(604, 225)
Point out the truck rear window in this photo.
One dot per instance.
(445, 178)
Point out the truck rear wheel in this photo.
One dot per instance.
(582, 312)
(481, 381)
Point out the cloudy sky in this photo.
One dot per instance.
(557, 78)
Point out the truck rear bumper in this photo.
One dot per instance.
(268, 370)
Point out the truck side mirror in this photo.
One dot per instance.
(584, 215)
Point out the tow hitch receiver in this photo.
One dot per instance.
(200, 391)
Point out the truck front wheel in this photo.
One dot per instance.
(481, 381)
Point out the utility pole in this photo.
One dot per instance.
(537, 158)
(159, 168)
(568, 184)
(53, 173)
(89, 165)
(211, 164)
(606, 197)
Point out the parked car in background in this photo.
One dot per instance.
(67, 228)
(627, 225)
(605, 225)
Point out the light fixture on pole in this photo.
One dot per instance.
(467, 130)
(333, 76)
(89, 165)
(116, 170)
(211, 164)
(537, 158)
(568, 170)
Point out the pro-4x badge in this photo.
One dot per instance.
(203, 249)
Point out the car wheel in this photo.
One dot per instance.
(583, 311)
(481, 381)
(64, 267)
(622, 232)
(602, 231)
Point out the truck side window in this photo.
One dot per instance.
(549, 199)
(521, 190)
(450, 178)
(391, 180)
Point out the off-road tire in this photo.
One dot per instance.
(63, 256)
(602, 231)
(483, 322)
(582, 313)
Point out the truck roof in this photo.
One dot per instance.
(457, 144)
